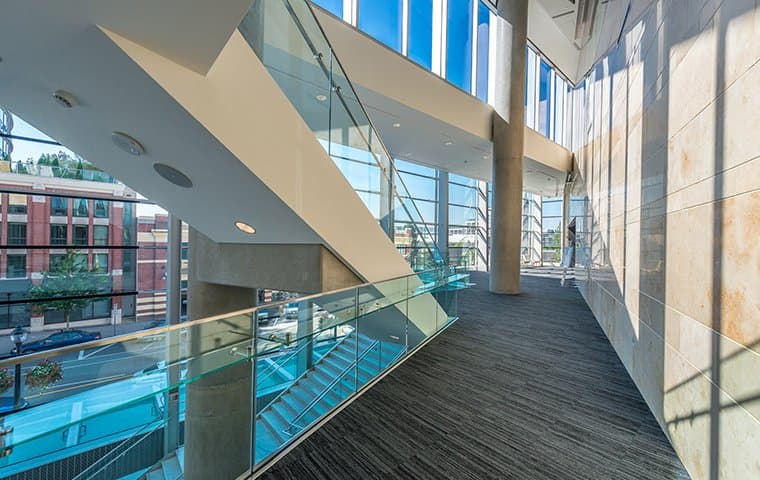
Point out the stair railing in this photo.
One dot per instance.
(336, 381)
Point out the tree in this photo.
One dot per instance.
(69, 286)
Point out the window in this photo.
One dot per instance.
(16, 234)
(81, 235)
(459, 44)
(100, 262)
(481, 79)
(100, 235)
(59, 206)
(420, 48)
(16, 266)
(80, 207)
(333, 6)
(101, 208)
(381, 19)
(58, 234)
(16, 204)
(544, 85)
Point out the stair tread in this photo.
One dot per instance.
(156, 474)
(181, 457)
(171, 468)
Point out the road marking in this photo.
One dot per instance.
(72, 438)
(94, 352)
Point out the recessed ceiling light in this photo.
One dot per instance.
(396, 125)
(321, 98)
(127, 143)
(448, 143)
(172, 175)
(485, 157)
(245, 228)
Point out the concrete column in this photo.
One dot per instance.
(443, 214)
(508, 149)
(173, 302)
(219, 406)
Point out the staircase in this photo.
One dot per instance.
(331, 380)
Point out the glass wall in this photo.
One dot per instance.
(381, 19)
(551, 230)
(333, 6)
(422, 185)
(450, 38)
(459, 40)
(420, 46)
(468, 222)
(547, 100)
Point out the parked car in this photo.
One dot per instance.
(59, 339)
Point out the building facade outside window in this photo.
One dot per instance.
(100, 262)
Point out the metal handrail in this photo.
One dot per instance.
(287, 358)
(335, 381)
(170, 328)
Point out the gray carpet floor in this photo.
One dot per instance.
(523, 387)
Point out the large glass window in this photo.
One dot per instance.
(468, 222)
(421, 32)
(481, 79)
(459, 43)
(16, 266)
(58, 234)
(16, 233)
(80, 207)
(59, 206)
(551, 226)
(382, 20)
(333, 6)
(544, 85)
(100, 235)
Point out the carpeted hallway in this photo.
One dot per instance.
(523, 387)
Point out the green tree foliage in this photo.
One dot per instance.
(68, 278)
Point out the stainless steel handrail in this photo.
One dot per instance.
(170, 328)
(337, 379)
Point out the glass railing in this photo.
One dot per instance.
(55, 171)
(306, 356)
(288, 39)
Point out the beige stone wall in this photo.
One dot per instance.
(669, 155)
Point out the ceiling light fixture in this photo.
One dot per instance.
(245, 228)
(396, 125)
(321, 98)
(127, 143)
(448, 143)
(485, 157)
(64, 99)
(172, 175)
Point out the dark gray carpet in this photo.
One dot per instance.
(524, 387)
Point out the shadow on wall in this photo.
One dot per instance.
(671, 271)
